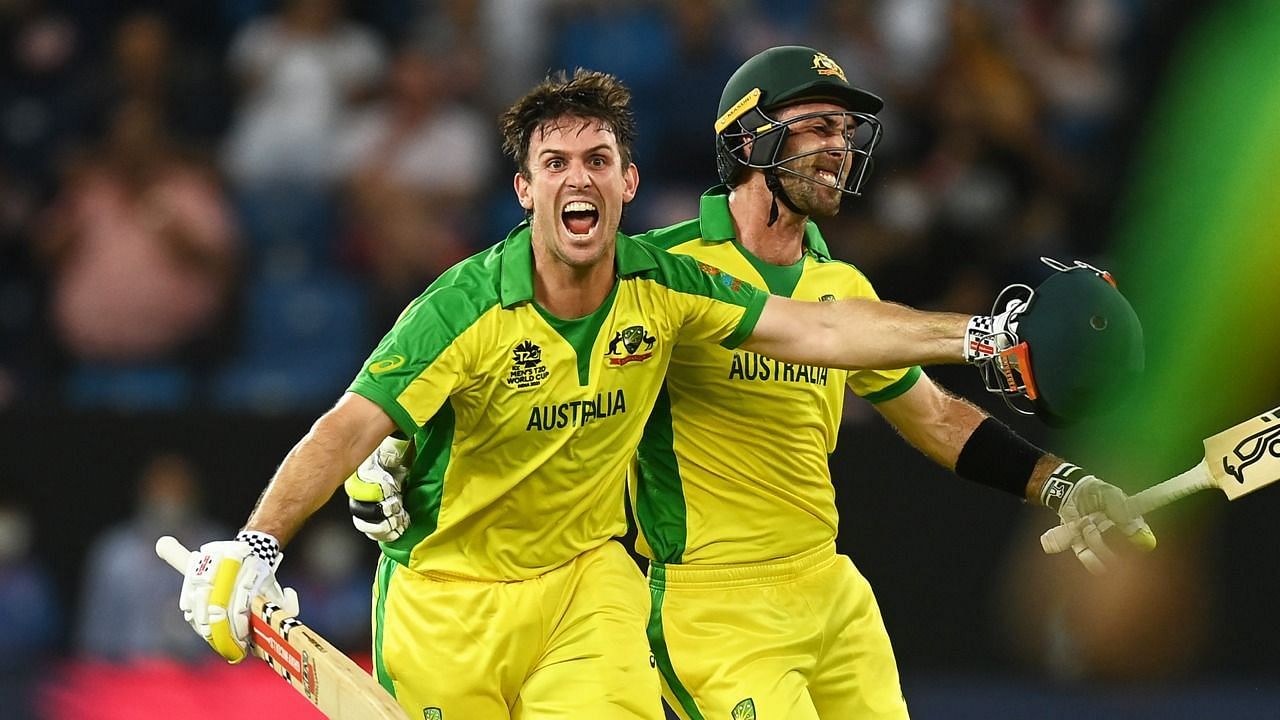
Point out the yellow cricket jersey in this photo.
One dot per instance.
(525, 423)
(733, 464)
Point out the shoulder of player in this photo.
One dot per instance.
(846, 274)
(672, 236)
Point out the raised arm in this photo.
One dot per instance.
(857, 334)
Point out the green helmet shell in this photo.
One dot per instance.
(786, 74)
(1085, 344)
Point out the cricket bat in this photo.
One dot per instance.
(339, 688)
(1236, 461)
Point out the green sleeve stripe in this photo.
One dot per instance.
(747, 324)
(660, 508)
(366, 388)
(658, 643)
(386, 567)
(904, 383)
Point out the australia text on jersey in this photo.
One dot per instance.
(750, 366)
(577, 412)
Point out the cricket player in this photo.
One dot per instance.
(523, 378)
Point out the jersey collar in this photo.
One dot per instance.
(716, 223)
(516, 283)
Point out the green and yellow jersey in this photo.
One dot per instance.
(525, 423)
(733, 464)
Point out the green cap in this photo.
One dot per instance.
(787, 74)
(1085, 344)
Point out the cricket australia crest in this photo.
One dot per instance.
(631, 344)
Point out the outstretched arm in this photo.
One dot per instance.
(963, 438)
(857, 334)
(318, 464)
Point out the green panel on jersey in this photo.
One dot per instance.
(422, 500)
(385, 569)
(781, 279)
(581, 332)
(658, 643)
(660, 507)
(672, 235)
(904, 383)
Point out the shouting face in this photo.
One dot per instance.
(822, 142)
(575, 184)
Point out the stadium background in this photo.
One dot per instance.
(1139, 135)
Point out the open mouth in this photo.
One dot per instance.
(827, 177)
(580, 217)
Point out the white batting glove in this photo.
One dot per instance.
(987, 335)
(1088, 507)
(375, 492)
(220, 583)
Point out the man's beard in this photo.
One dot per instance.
(811, 196)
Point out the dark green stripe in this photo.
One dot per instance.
(386, 566)
(780, 279)
(904, 383)
(660, 508)
(747, 324)
(658, 643)
(581, 332)
(424, 489)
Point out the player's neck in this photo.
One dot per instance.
(572, 292)
(779, 244)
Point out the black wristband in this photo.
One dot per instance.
(997, 457)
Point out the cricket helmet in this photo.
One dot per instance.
(782, 76)
(1077, 344)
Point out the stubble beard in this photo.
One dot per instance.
(811, 197)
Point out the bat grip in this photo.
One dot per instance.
(172, 552)
(1175, 488)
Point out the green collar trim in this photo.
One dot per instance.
(716, 223)
(515, 284)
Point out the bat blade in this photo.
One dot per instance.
(1246, 457)
(330, 680)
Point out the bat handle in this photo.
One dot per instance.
(1175, 488)
(172, 552)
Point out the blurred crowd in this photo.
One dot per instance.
(224, 204)
(219, 206)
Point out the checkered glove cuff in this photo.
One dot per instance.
(263, 545)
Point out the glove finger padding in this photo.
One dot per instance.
(375, 492)
(1091, 534)
(221, 581)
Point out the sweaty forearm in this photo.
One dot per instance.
(317, 465)
(857, 334)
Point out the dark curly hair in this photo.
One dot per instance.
(589, 95)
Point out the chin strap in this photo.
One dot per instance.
(775, 186)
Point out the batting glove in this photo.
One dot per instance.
(375, 492)
(1088, 507)
(220, 583)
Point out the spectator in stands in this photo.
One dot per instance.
(144, 65)
(128, 597)
(414, 164)
(30, 622)
(140, 244)
(300, 71)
